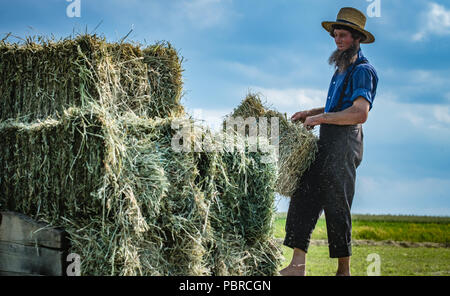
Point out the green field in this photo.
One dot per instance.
(397, 260)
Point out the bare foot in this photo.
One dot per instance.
(294, 270)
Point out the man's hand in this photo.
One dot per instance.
(302, 115)
(312, 121)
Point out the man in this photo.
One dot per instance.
(329, 184)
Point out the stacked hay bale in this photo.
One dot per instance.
(240, 188)
(128, 202)
(182, 214)
(86, 127)
(43, 79)
(245, 182)
(297, 145)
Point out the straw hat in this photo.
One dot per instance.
(353, 18)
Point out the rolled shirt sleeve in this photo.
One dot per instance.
(364, 83)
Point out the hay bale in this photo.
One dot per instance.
(297, 145)
(240, 188)
(131, 205)
(232, 256)
(42, 78)
(84, 149)
(48, 167)
(128, 202)
(246, 188)
(184, 212)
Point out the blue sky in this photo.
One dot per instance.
(279, 48)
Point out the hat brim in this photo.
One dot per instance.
(369, 37)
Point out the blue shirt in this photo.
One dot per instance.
(363, 83)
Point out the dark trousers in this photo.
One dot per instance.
(329, 186)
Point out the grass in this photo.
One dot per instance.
(395, 260)
(378, 228)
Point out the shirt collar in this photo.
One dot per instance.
(361, 57)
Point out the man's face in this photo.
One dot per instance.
(343, 39)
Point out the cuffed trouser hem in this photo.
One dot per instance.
(302, 245)
(340, 252)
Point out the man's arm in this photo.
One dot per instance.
(316, 111)
(357, 113)
(302, 115)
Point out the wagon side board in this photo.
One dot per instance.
(28, 247)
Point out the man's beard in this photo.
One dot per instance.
(342, 59)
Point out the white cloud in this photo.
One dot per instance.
(422, 75)
(206, 13)
(294, 99)
(437, 21)
(392, 121)
(212, 118)
(413, 117)
(426, 117)
(378, 195)
(418, 79)
(442, 114)
(249, 71)
(166, 20)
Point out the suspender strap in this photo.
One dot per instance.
(344, 86)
